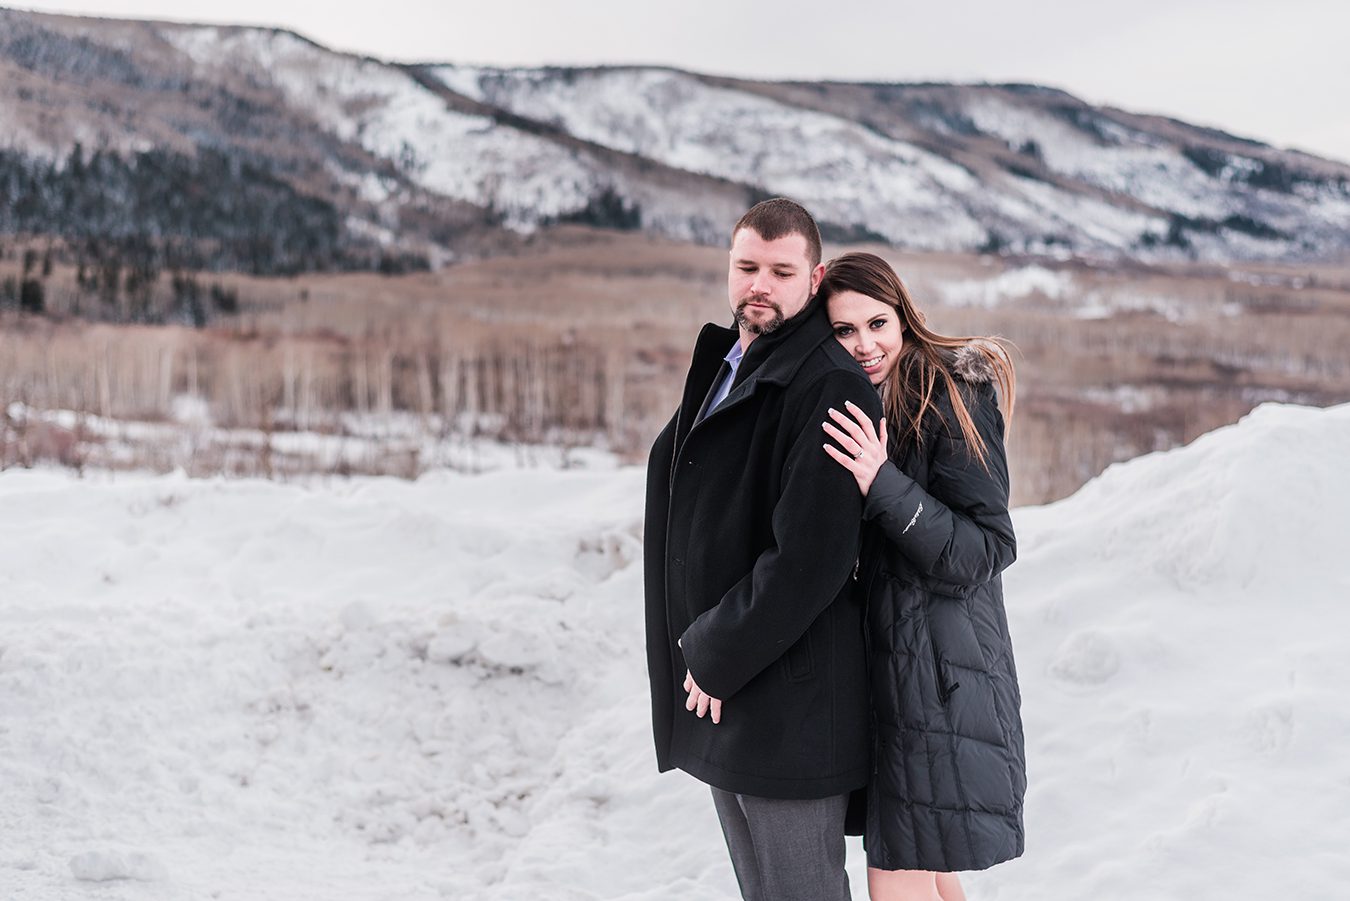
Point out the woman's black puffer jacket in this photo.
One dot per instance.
(950, 770)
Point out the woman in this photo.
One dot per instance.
(949, 771)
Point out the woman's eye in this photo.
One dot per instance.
(878, 323)
(843, 332)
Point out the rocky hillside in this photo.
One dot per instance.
(256, 149)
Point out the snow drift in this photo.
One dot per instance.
(382, 689)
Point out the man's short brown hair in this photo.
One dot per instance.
(777, 217)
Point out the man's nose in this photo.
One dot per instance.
(761, 284)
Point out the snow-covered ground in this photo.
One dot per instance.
(380, 689)
(395, 443)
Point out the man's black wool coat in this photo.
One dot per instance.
(751, 549)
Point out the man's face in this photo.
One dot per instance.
(769, 282)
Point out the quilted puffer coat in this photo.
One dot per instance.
(949, 770)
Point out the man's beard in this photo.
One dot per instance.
(758, 328)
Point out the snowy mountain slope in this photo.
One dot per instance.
(523, 177)
(846, 172)
(1038, 134)
(381, 689)
(419, 157)
(394, 118)
(369, 136)
(1062, 172)
(843, 171)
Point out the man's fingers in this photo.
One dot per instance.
(699, 701)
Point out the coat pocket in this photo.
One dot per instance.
(798, 663)
(945, 685)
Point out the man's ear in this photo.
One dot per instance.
(816, 275)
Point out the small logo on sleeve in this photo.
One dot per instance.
(914, 519)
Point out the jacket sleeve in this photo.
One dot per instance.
(815, 525)
(959, 530)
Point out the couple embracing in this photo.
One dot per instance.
(827, 519)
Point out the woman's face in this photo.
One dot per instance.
(869, 330)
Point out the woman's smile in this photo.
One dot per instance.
(870, 365)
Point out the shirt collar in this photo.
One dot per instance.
(734, 355)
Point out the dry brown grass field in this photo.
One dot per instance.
(581, 337)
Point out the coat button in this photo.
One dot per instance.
(678, 561)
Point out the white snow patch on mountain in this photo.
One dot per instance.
(1119, 160)
(1147, 169)
(1111, 226)
(1013, 284)
(841, 170)
(464, 156)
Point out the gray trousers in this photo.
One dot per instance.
(785, 850)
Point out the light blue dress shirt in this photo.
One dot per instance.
(733, 359)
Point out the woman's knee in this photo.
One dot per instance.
(902, 885)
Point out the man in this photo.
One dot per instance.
(754, 644)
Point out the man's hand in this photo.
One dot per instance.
(700, 701)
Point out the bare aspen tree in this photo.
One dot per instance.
(166, 361)
(385, 378)
(360, 381)
(426, 394)
(450, 394)
(193, 388)
(305, 419)
(535, 365)
(104, 379)
(472, 393)
(616, 375)
(236, 404)
(289, 377)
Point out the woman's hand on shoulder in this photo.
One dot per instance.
(864, 444)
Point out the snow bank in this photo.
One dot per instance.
(383, 689)
(1179, 626)
(376, 689)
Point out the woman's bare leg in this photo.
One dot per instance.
(902, 885)
(949, 887)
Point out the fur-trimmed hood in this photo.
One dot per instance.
(970, 365)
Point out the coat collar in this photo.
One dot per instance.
(776, 357)
(773, 358)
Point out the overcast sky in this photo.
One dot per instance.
(1276, 72)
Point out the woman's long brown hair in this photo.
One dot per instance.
(907, 393)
